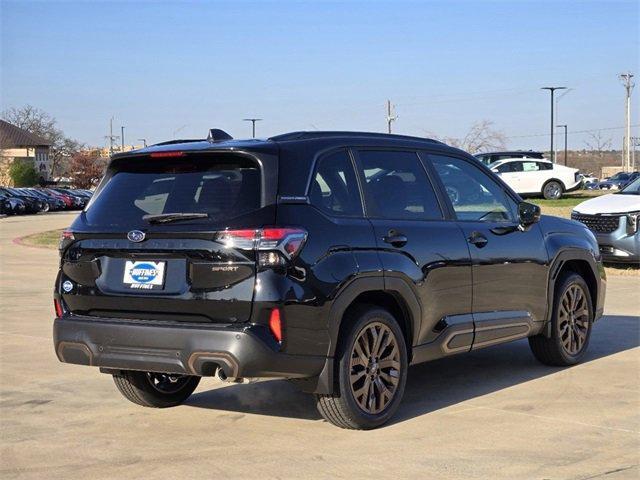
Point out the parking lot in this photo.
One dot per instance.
(495, 413)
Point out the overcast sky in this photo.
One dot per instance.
(179, 68)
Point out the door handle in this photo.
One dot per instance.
(395, 238)
(478, 239)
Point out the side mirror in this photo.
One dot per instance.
(528, 213)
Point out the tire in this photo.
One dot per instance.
(156, 390)
(552, 190)
(344, 408)
(554, 350)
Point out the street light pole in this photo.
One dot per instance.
(565, 142)
(552, 90)
(627, 81)
(253, 124)
(122, 136)
(144, 141)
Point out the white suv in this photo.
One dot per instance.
(537, 176)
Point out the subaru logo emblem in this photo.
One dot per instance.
(135, 236)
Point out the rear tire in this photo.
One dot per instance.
(371, 371)
(570, 324)
(156, 390)
(552, 190)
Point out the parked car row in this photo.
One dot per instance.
(615, 182)
(18, 201)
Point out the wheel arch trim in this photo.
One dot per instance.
(560, 260)
(395, 286)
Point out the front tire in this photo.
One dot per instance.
(155, 390)
(371, 370)
(570, 324)
(552, 190)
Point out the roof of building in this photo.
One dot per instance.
(15, 137)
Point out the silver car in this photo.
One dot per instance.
(614, 220)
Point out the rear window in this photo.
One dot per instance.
(222, 187)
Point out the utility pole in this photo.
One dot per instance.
(111, 137)
(635, 142)
(552, 89)
(565, 142)
(391, 117)
(144, 141)
(628, 83)
(253, 125)
(122, 137)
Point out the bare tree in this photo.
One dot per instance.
(86, 168)
(481, 137)
(597, 143)
(43, 125)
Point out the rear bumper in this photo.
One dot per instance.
(241, 351)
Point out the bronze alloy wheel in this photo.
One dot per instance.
(573, 319)
(167, 383)
(374, 368)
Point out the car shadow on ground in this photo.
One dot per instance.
(430, 386)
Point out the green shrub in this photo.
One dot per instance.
(23, 174)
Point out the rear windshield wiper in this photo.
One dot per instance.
(173, 217)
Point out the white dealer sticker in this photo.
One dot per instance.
(144, 275)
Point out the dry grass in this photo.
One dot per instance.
(48, 239)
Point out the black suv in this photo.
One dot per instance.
(333, 259)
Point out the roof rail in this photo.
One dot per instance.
(303, 135)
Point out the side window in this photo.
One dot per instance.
(530, 166)
(505, 168)
(398, 186)
(475, 196)
(334, 188)
(510, 167)
(544, 166)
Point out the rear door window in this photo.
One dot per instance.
(530, 166)
(398, 186)
(223, 188)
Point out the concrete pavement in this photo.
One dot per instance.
(495, 413)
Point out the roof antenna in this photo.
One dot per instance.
(217, 135)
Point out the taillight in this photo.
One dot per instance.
(167, 154)
(275, 324)
(57, 305)
(65, 239)
(275, 245)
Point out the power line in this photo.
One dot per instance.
(572, 131)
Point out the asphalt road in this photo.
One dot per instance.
(492, 414)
